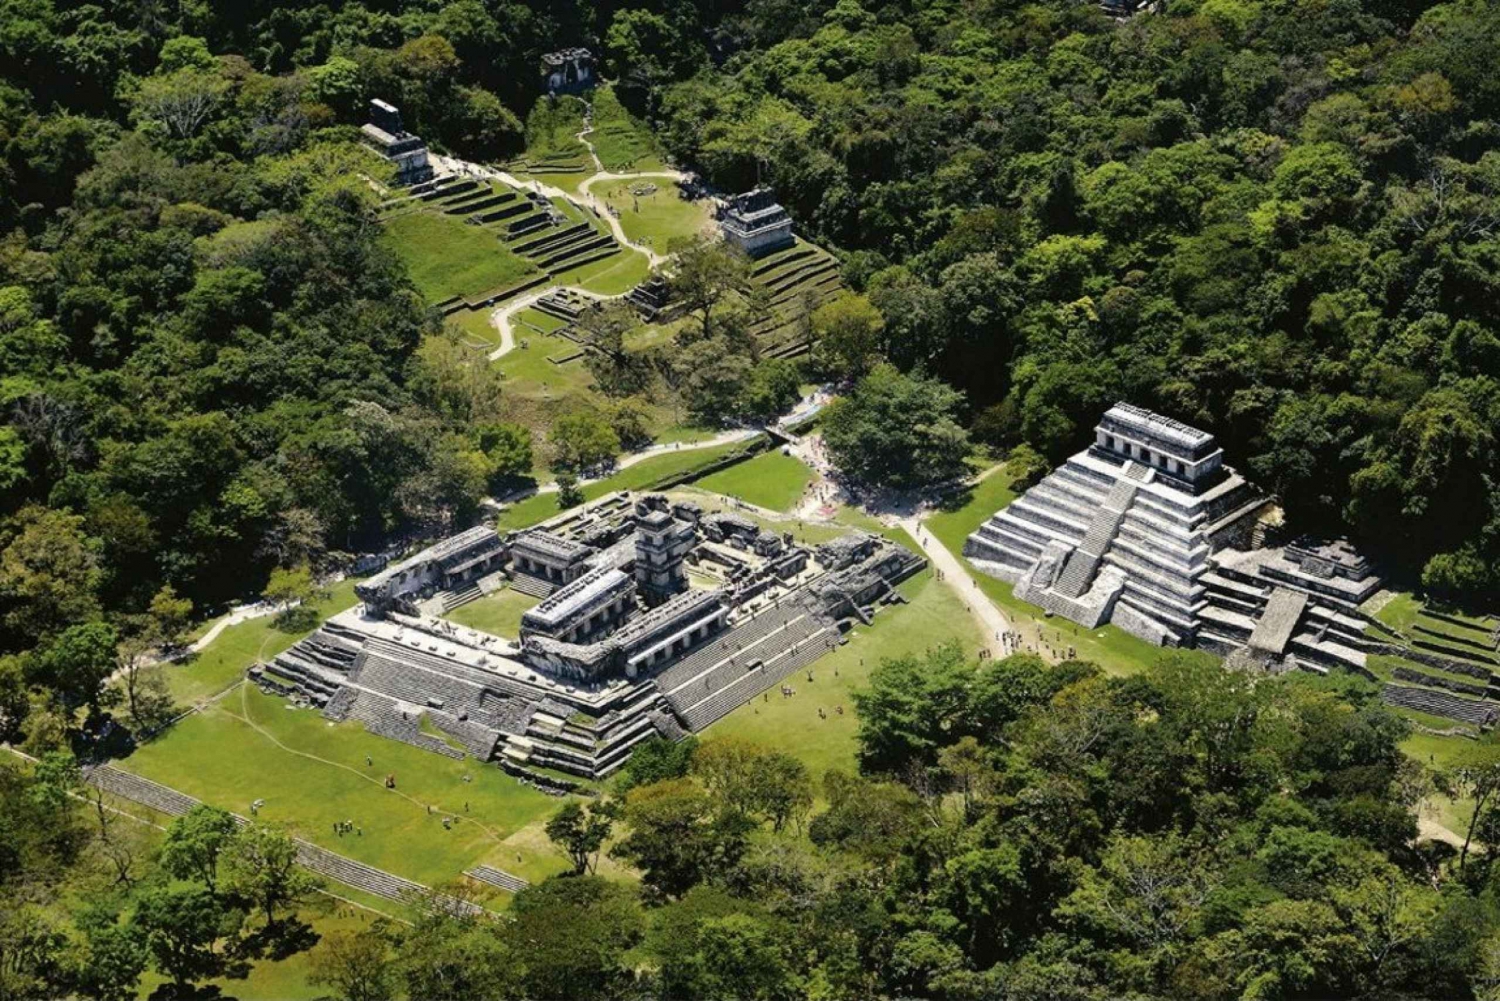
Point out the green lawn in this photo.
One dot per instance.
(770, 480)
(537, 321)
(613, 275)
(248, 745)
(935, 614)
(540, 507)
(622, 141)
(1111, 648)
(657, 218)
(240, 646)
(476, 326)
(447, 257)
(498, 613)
(1406, 610)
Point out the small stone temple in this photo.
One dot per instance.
(385, 134)
(654, 619)
(756, 223)
(568, 71)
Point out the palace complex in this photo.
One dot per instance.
(624, 644)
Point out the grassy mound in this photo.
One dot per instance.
(447, 257)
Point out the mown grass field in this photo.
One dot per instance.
(313, 774)
(770, 480)
(658, 218)
(240, 646)
(478, 331)
(446, 257)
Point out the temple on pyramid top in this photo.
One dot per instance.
(1149, 529)
(1182, 456)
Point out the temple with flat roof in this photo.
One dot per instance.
(385, 134)
(756, 223)
(1148, 529)
(568, 71)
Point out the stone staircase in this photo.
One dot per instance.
(138, 790)
(1278, 620)
(531, 584)
(1436, 703)
(385, 718)
(728, 685)
(666, 724)
(497, 877)
(1084, 561)
(457, 598)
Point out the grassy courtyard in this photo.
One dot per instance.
(655, 218)
(540, 507)
(245, 745)
(499, 613)
(448, 257)
(771, 480)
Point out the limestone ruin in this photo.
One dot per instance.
(385, 134)
(625, 644)
(1147, 528)
(568, 71)
(756, 223)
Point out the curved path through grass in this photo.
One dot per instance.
(585, 201)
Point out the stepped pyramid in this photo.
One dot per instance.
(1122, 532)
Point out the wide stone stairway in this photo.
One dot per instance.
(497, 877)
(718, 678)
(1083, 562)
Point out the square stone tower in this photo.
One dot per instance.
(663, 537)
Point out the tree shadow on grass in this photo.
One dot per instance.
(189, 992)
(298, 619)
(278, 940)
(954, 500)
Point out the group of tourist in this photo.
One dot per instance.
(1012, 642)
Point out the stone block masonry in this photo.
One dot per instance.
(1118, 533)
(621, 648)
